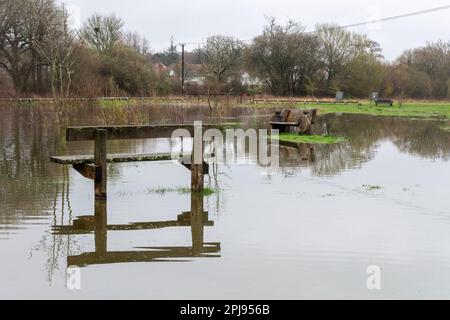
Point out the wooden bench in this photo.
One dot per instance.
(94, 166)
(389, 102)
(294, 121)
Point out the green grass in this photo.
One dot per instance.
(414, 110)
(445, 127)
(408, 109)
(180, 190)
(296, 138)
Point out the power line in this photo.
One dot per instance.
(401, 16)
(396, 17)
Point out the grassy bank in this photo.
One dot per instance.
(411, 109)
(415, 110)
(435, 110)
(295, 138)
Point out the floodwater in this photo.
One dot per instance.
(307, 229)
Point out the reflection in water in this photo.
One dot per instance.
(196, 219)
(422, 138)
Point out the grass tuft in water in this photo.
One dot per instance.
(371, 187)
(180, 190)
(296, 138)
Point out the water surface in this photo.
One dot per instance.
(307, 229)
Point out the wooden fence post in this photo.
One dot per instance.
(197, 176)
(198, 159)
(101, 172)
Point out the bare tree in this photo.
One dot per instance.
(434, 60)
(40, 19)
(24, 26)
(137, 42)
(102, 32)
(284, 57)
(221, 60)
(14, 42)
(336, 49)
(57, 47)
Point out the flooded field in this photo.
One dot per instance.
(306, 229)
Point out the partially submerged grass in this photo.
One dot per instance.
(313, 139)
(408, 109)
(180, 190)
(117, 102)
(328, 195)
(371, 187)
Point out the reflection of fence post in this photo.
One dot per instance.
(100, 162)
(101, 229)
(197, 223)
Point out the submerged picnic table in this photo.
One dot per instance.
(94, 166)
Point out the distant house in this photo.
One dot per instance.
(248, 80)
(160, 69)
(200, 81)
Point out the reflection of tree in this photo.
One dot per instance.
(419, 137)
(57, 247)
(28, 179)
(426, 139)
(423, 138)
(333, 159)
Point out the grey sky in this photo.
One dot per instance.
(193, 21)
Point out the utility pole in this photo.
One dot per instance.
(182, 68)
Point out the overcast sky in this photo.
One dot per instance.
(193, 21)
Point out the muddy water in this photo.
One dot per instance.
(306, 229)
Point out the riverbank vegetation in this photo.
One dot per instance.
(42, 56)
(411, 110)
(312, 139)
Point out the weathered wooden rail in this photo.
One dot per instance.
(94, 166)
